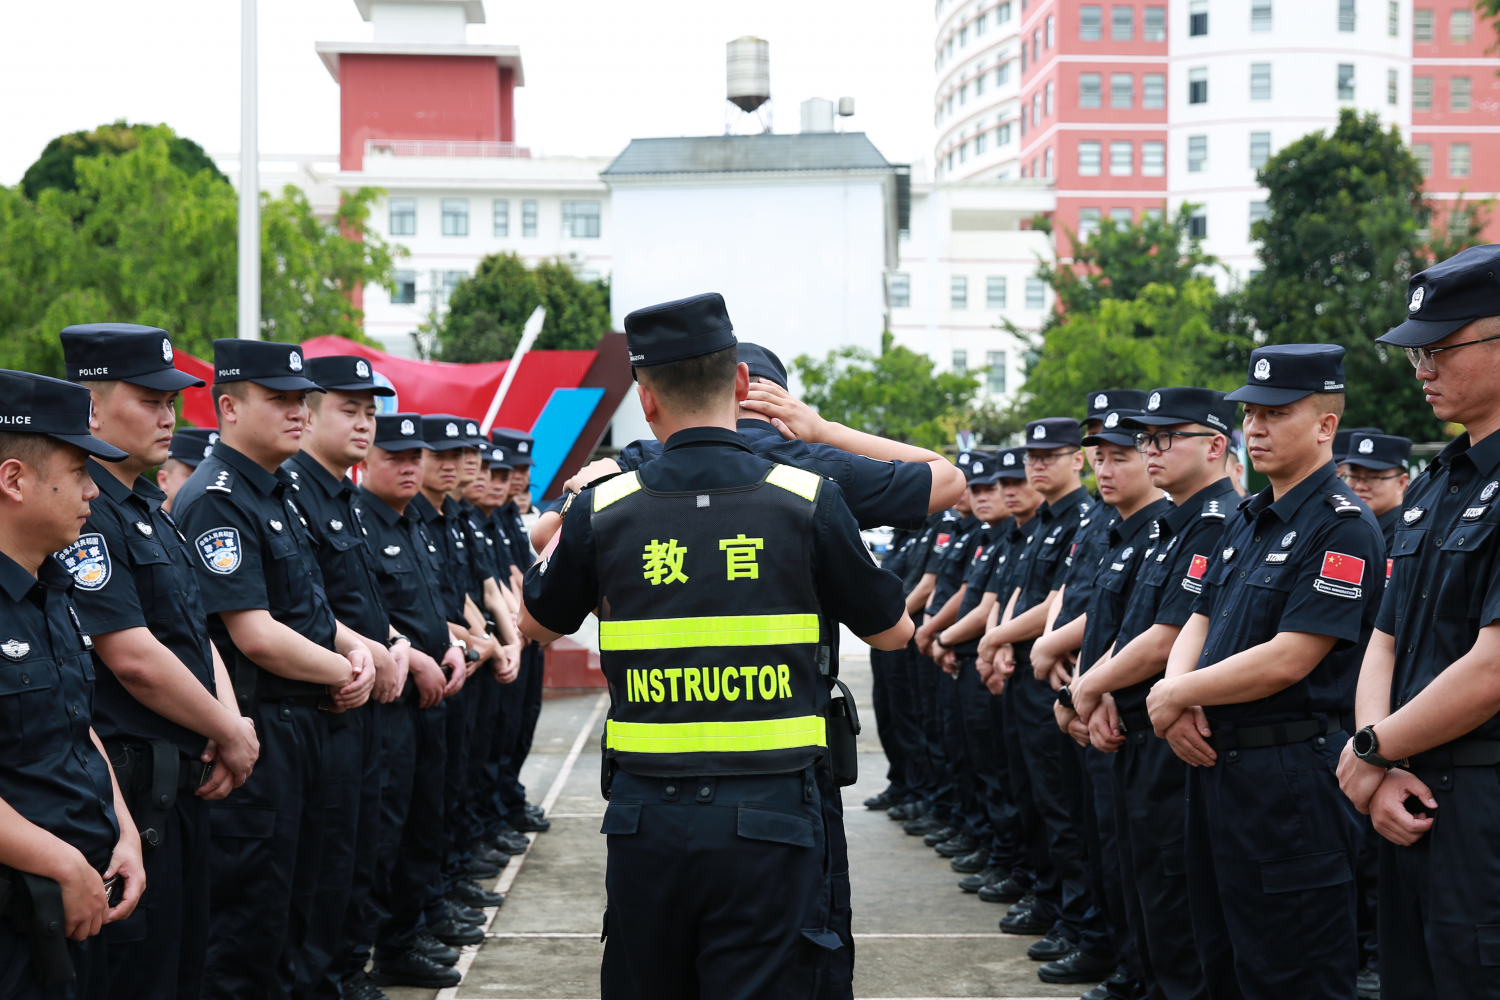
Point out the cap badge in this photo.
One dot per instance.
(336, 525)
(1287, 539)
(498, 455)
(1414, 515)
(1101, 402)
(1366, 447)
(978, 468)
(1112, 420)
(166, 350)
(1039, 433)
(471, 428)
(963, 459)
(208, 450)
(1488, 491)
(294, 362)
(1154, 403)
(361, 369)
(408, 429)
(1416, 299)
(1010, 458)
(1263, 369)
(213, 437)
(145, 528)
(392, 550)
(451, 430)
(15, 649)
(523, 447)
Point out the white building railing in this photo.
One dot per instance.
(425, 147)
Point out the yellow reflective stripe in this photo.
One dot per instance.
(798, 481)
(707, 737)
(723, 630)
(614, 489)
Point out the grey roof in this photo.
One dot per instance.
(717, 154)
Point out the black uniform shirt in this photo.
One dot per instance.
(982, 562)
(508, 519)
(953, 562)
(336, 523)
(851, 589)
(133, 569)
(1114, 577)
(403, 571)
(1445, 584)
(919, 551)
(493, 554)
(895, 554)
(1081, 565)
(1309, 562)
(948, 529)
(50, 771)
(1040, 566)
(437, 540)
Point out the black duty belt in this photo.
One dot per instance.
(1459, 753)
(306, 700)
(1276, 734)
(1132, 722)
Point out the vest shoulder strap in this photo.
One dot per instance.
(614, 489)
(794, 480)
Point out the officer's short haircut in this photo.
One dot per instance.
(171, 465)
(35, 450)
(102, 389)
(237, 389)
(1329, 402)
(693, 383)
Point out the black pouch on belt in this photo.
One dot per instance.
(149, 775)
(843, 727)
(35, 908)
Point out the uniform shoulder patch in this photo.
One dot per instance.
(1213, 507)
(88, 560)
(223, 482)
(614, 489)
(220, 550)
(1343, 506)
(794, 480)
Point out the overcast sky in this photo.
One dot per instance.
(598, 72)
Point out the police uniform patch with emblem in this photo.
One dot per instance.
(1488, 492)
(220, 550)
(1413, 515)
(15, 649)
(88, 561)
(276, 525)
(1287, 539)
(392, 550)
(145, 528)
(335, 525)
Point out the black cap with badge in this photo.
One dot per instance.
(762, 363)
(476, 438)
(496, 457)
(517, 445)
(36, 404)
(191, 445)
(346, 373)
(675, 331)
(399, 432)
(1186, 404)
(1054, 432)
(1286, 373)
(1342, 436)
(1114, 430)
(1379, 451)
(443, 431)
(264, 362)
(1447, 296)
(141, 355)
(984, 469)
(974, 463)
(1101, 401)
(1010, 463)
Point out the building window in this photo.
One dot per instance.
(1346, 15)
(979, 82)
(1154, 28)
(1088, 90)
(1260, 81)
(963, 153)
(1393, 18)
(900, 290)
(444, 282)
(1153, 159)
(403, 216)
(963, 94)
(1260, 15)
(1460, 88)
(1391, 79)
(1120, 217)
(1346, 81)
(405, 293)
(1421, 93)
(1049, 98)
(1036, 46)
(994, 292)
(1197, 154)
(528, 218)
(1088, 222)
(979, 143)
(1002, 74)
(1422, 151)
(502, 217)
(1198, 225)
(1047, 162)
(1198, 85)
(1090, 23)
(1121, 90)
(1260, 149)
(1036, 294)
(1051, 35)
(1122, 24)
(1458, 159)
(1153, 91)
(1461, 27)
(1198, 18)
(1259, 210)
(958, 292)
(455, 217)
(1002, 13)
(960, 364)
(982, 25)
(1088, 159)
(1121, 159)
(994, 379)
(1421, 25)
(963, 36)
(1002, 135)
(1036, 109)
(581, 219)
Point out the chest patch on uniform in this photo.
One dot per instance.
(15, 649)
(1475, 513)
(276, 525)
(392, 550)
(1129, 551)
(1287, 539)
(1193, 582)
(1277, 557)
(1228, 553)
(145, 528)
(335, 525)
(1346, 569)
(1488, 491)
(1413, 515)
(88, 560)
(220, 550)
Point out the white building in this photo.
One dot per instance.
(976, 105)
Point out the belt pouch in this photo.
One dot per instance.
(843, 727)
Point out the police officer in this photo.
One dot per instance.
(1183, 435)
(161, 691)
(1341, 444)
(1258, 690)
(190, 445)
(66, 834)
(291, 662)
(1423, 763)
(743, 792)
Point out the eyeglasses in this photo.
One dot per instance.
(1354, 480)
(1422, 357)
(1044, 461)
(1162, 440)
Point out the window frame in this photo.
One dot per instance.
(1090, 150)
(1091, 86)
(958, 292)
(451, 217)
(391, 215)
(1153, 166)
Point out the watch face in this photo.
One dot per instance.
(1364, 742)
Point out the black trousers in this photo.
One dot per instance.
(397, 766)
(1440, 897)
(998, 817)
(1366, 896)
(719, 887)
(893, 724)
(485, 812)
(967, 814)
(159, 951)
(522, 703)
(1034, 855)
(463, 719)
(1112, 934)
(90, 965)
(267, 857)
(418, 871)
(940, 797)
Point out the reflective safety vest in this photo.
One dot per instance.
(710, 632)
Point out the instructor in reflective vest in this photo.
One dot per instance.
(720, 579)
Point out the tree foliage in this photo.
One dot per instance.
(486, 313)
(895, 395)
(54, 168)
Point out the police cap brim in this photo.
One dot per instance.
(378, 390)
(287, 383)
(1110, 437)
(1265, 395)
(402, 444)
(166, 380)
(92, 445)
(1421, 332)
(1369, 463)
(1140, 423)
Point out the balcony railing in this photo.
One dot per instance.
(424, 147)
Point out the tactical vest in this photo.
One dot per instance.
(710, 632)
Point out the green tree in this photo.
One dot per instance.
(486, 312)
(55, 167)
(895, 395)
(1341, 240)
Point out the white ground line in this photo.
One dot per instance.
(508, 875)
(858, 937)
(962, 998)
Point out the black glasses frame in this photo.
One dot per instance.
(1143, 438)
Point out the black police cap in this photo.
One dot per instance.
(1054, 432)
(141, 355)
(1379, 451)
(346, 373)
(1010, 463)
(443, 431)
(1186, 404)
(517, 445)
(1286, 373)
(36, 404)
(966, 460)
(1114, 429)
(984, 469)
(762, 363)
(1447, 296)
(675, 331)
(1101, 401)
(264, 362)
(191, 445)
(399, 432)
(496, 457)
(1341, 439)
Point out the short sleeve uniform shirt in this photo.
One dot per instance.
(335, 522)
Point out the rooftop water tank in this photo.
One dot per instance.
(817, 115)
(749, 77)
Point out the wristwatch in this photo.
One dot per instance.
(398, 637)
(457, 644)
(1367, 746)
(1065, 697)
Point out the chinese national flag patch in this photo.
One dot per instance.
(1390, 564)
(1198, 567)
(1347, 569)
(943, 539)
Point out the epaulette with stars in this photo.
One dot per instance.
(223, 483)
(1343, 506)
(1213, 507)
